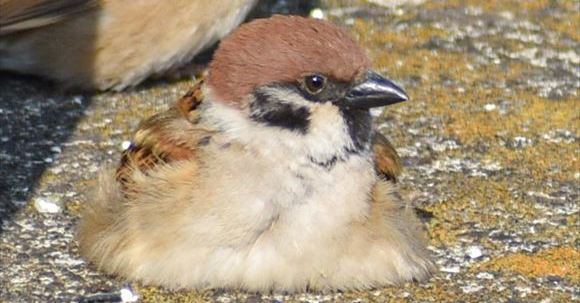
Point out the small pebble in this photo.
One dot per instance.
(451, 269)
(47, 205)
(78, 100)
(471, 288)
(489, 107)
(127, 295)
(317, 13)
(125, 145)
(484, 276)
(474, 252)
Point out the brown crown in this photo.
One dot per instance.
(282, 49)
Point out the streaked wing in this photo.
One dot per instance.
(166, 137)
(17, 15)
(387, 161)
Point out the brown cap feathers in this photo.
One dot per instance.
(282, 49)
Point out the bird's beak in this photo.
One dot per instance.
(373, 91)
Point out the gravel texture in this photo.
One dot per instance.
(489, 141)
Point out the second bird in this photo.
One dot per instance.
(110, 44)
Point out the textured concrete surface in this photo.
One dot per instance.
(489, 141)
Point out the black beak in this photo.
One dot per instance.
(374, 91)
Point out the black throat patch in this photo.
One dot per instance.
(359, 124)
(268, 110)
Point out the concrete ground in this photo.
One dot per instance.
(489, 141)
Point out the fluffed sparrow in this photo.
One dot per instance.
(267, 176)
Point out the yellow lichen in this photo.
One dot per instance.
(158, 295)
(567, 24)
(471, 202)
(491, 5)
(561, 261)
(543, 160)
(370, 33)
(536, 114)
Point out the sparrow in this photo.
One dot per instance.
(266, 176)
(110, 44)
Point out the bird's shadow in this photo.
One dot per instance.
(36, 119)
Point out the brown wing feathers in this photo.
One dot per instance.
(165, 137)
(387, 161)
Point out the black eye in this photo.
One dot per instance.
(314, 83)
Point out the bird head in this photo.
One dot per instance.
(304, 78)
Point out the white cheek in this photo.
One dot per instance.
(328, 132)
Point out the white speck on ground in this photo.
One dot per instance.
(471, 288)
(47, 205)
(490, 107)
(450, 269)
(474, 252)
(484, 276)
(125, 145)
(317, 13)
(128, 296)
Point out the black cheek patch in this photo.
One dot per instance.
(270, 111)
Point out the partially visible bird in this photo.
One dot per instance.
(267, 176)
(110, 44)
